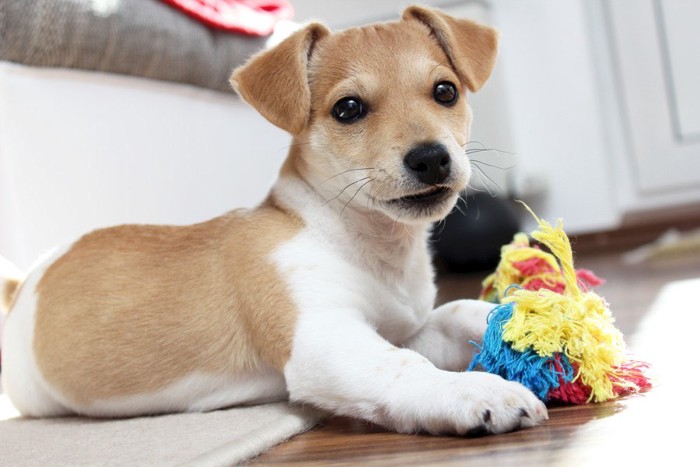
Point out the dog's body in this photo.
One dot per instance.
(324, 293)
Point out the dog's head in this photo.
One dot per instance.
(379, 113)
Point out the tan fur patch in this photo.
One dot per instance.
(274, 81)
(131, 309)
(9, 292)
(471, 47)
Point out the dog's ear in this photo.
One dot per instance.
(470, 47)
(275, 81)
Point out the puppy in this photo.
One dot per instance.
(324, 293)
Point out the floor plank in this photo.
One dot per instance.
(657, 308)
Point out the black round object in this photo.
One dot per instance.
(471, 236)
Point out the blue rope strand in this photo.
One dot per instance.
(494, 355)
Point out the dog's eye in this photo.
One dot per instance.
(348, 109)
(445, 93)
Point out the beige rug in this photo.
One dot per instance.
(220, 438)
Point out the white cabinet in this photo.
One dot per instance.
(604, 106)
(656, 49)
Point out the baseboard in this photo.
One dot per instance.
(638, 229)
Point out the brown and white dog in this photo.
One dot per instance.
(324, 293)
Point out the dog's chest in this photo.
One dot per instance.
(402, 305)
(393, 290)
(401, 282)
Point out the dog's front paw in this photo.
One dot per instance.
(472, 404)
(498, 406)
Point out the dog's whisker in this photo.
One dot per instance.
(494, 166)
(469, 153)
(487, 189)
(484, 148)
(343, 191)
(481, 174)
(476, 150)
(475, 188)
(356, 192)
(473, 141)
(466, 206)
(441, 225)
(466, 203)
(459, 208)
(346, 171)
(371, 199)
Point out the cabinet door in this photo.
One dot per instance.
(657, 45)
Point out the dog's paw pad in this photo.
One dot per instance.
(477, 431)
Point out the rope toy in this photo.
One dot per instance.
(550, 332)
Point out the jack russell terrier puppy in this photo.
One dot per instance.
(323, 294)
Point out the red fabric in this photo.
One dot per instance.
(533, 266)
(634, 372)
(570, 392)
(627, 378)
(251, 17)
(587, 280)
(537, 284)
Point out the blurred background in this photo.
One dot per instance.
(119, 111)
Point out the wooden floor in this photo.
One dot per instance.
(657, 306)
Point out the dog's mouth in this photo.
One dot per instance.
(427, 195)
(431, 196)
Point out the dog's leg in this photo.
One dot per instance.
(444, 340)
(341, 364)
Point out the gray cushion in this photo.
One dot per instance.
(133, 37)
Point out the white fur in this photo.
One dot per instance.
(21, 378)
(444, 338)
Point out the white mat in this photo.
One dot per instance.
(220, 438)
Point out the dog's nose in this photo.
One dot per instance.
(429, 162)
